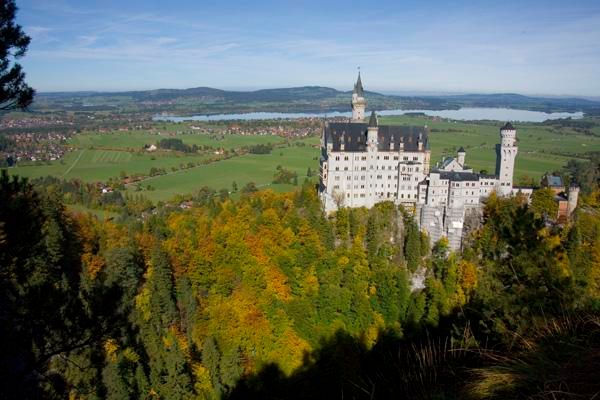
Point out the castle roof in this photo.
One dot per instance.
(461, 150)
(373, 120)
(354, 137)
(554, 181)
(358, 87)
(455, 176)
(507, 127)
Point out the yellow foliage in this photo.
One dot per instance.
(93, 262)
(110, 349)
(131, 355)
(182, 341)
(372, 290)
(277, 283)
(311, 282)
(289, 352)
(202, 380)
(142, 300)
(115, 235)
(168, 341)
(468, 276)
(372, 333)
(343, 261)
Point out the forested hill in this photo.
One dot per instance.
(206, 100)
(268, 297)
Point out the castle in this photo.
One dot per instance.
(365, 163)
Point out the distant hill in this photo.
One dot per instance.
(206, 100)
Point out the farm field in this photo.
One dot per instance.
(257, 168)
(135, 140)
(100, 156)
(100, 165)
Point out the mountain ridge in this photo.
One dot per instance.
(204, 99)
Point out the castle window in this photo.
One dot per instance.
(345, 158)
(405, 158)
(345, 168)
(337, 168)
(348, 178)
(396, 158)
(386, 157)
(337, 178)
(337, 158)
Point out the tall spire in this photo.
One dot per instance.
(373, 120)
(358, 87)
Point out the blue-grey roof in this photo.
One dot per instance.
(358, 87)
(446, 161)
(459, 176)
(373, 120)
(554, 181)
(507, 127)
(354, 136)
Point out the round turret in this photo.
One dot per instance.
(508, 134)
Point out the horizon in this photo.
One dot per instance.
(413, 93)
(533, 48)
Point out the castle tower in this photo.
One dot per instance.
(372, 147)
(461, 154)
(573, 197)
(372, 132)
(506, 152)
(358, 101)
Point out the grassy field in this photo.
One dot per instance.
(99, 165)
(541, 148)
(257, 168)
(100, 156)
(135, 140)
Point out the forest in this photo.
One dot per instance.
(268, 297)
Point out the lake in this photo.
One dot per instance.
(464, 114)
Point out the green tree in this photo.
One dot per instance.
(544, 204)
(14, 92)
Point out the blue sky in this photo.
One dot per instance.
(531, 47)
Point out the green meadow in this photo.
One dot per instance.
(541, 148)
(93, 165)
(100, 156)
(135, 140)
(257, 168)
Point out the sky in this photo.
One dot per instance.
(530, 47)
